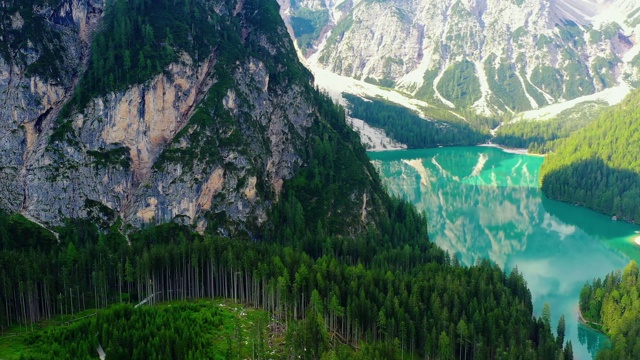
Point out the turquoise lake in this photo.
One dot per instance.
(482, 202)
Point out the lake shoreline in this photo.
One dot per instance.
(557, 246)
(399, 147)
(588, 323)
(517, 151)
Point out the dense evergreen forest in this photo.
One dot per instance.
(204, 329)
(599, 166)
(541, 137)
(613, 305)
(405, 126)
(396, 290)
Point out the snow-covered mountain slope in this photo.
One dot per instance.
(495, 56)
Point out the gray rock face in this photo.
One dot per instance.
(238, 181)
(152, 153)
(493, 55)
(30, 100)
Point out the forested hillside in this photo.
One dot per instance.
(613, 305)
(543, 136)
(405, 126)
(599, 166)
(393, 290)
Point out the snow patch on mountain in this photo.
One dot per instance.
(374, 139)
(437, 93)
(415, 77)
(482, 105)
(578, 11)
(618, 11)
(399, 42)
(335, 85)
(532, 101)
(612, 96)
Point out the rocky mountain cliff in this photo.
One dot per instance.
(194, 111)
(492, 55)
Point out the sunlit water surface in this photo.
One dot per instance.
(482, 202)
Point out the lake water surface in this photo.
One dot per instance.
(482, 202)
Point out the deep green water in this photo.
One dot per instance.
(484, 202)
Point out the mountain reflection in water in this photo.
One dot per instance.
(485, 203)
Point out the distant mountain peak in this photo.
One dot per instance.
(489, 55)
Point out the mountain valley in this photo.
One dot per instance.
(185, 179)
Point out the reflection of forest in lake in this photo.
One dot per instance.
(591, 342)
(483, 202)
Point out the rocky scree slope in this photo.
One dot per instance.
(492, 55)
(210, 118)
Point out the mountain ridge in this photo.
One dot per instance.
(166, 126)
(418, 47)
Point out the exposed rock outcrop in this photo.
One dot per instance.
(497, 56)
(202, 140)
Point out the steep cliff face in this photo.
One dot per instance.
(208, 140)
(43, 49)
(112, 144)
(496, 56)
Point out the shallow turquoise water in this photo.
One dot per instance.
(482, 202)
